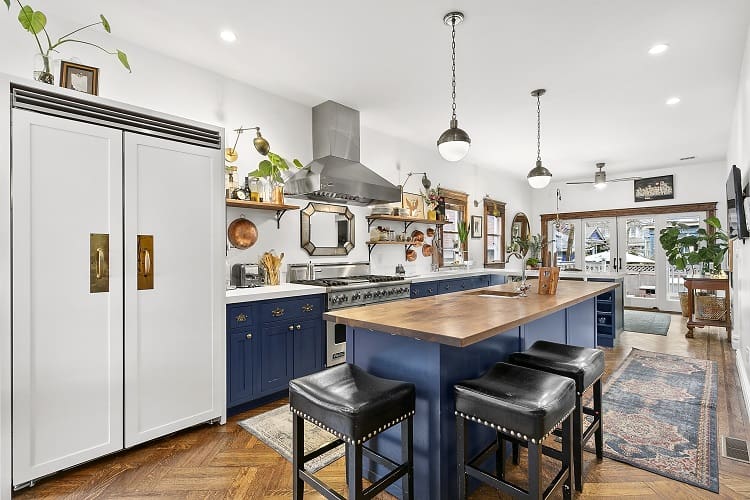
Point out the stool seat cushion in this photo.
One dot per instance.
(582, 364)
(528, 402)
(350, 401)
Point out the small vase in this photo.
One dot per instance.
(431, 214)
(43, 69)
(277, 195)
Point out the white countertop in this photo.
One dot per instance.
(272, 292)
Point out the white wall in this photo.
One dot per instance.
(174, 87)
(693, 183)
(738, 154)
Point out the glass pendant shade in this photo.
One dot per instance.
(454, 143)
(539, 176)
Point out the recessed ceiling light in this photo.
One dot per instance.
(659, 48)
(673, 100)
(228, 36)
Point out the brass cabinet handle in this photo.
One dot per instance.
(277, 312)
(241, 318)
(99, 262)
(307, 308)
(298, 327)
(249, 336)
(145, 262)
(291, 328)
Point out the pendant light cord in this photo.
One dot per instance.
(453, 65)
(538, 130)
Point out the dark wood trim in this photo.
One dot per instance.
(459, 198)
(491, 205)
(709, 207)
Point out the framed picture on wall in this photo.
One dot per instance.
(414, 203)
(79, 77)
(654, 188)
(476, 226)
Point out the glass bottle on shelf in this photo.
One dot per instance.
(254, 188)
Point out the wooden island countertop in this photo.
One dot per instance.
(464, 318)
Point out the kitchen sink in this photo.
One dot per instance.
(496, 293)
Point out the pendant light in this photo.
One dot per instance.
(454, 143)
(539, 176)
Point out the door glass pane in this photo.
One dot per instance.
(640, 258)
(564, 239)
(674, 276)
(597, 242)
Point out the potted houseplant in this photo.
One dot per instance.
(432, 201)
(35, 22)
(463, 235)
(700, 252)
(274, 169)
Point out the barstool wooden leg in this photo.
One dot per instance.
(599, 434)
(500, 457)
(567, 457)
(461, 440)
(354, 471)
(536, 491)
(577, 444)
(407, 457)
(298, 453)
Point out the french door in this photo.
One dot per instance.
(626, 244)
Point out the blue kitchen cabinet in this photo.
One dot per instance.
(276, 357)
(241, 339)
(497, 279)
(609, 313)
(425, 289)
(308, 347)
(270, 342)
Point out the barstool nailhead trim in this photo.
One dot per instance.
(348, 439)
(510, 431)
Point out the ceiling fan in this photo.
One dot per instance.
(600, 178)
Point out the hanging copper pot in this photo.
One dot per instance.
(417, 236)
(411, 255)
(242, 233)
(426, 250)
(430, 232)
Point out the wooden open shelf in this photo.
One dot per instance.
(408, 221)
(280, 209)
(405, 243)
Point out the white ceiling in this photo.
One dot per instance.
(391, 60)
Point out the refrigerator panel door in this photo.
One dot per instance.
(67, 335)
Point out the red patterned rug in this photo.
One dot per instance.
(660, 415)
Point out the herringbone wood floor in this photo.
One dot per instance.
(227, 462)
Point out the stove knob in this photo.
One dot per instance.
(391, 292)
(356, 296)
(345, 298)
(368, 295)
(377, 294)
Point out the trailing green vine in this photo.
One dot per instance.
(35, 22)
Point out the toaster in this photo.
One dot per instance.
(246, 276)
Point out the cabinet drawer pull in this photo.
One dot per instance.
(249, 336)
(241, 318)
(298, 327)
(291, 328)
(307, 308)
(277, 312)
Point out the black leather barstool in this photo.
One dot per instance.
(583, 365)
(522, 406)
(354, 406)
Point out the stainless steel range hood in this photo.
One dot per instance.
(336, 174)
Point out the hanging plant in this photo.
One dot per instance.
(35, 22)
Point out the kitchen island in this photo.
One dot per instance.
(437, 341)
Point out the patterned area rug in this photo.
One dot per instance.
(660, 415)
(274, 428)
(646, 322)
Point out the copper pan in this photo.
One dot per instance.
(426, 250)
(417, 236)
(430, 232)
(242, 233)
(411, 255)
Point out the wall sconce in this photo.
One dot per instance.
(426, 183)
(260, 143)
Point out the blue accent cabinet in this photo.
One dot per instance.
(271, 342)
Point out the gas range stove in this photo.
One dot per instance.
(345, 287)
